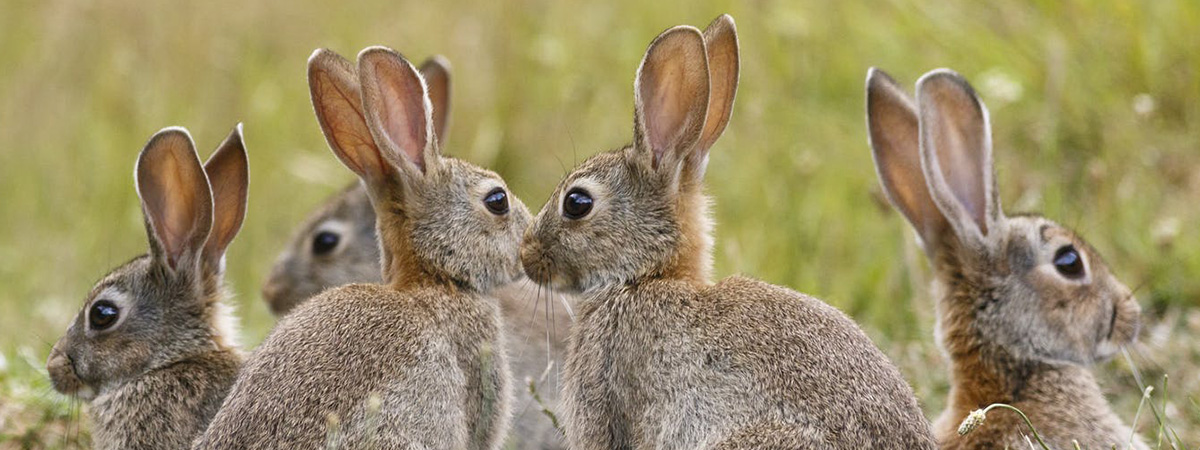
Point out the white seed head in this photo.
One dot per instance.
(973, 421)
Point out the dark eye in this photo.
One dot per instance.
(103, 314)
(496, 201)
(577, 204)
(1068, 262)
(324, 242)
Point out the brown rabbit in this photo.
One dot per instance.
(660, 357)
(1023, 304)
(153, 348)
(336, 245)
(417, 361)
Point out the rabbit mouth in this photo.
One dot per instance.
(1113, 340)
(66, 380)
(1112, 324)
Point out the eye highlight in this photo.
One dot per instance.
(496, 201)
(1068, 262)
(103, 314)
(324, 242)
(577, 204)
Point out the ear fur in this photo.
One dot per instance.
(175, 198)
(956, 154)
(436, 72)
(229, 178)
(894, 136)
(337, 100)
(671, 96)
(721, 46)
(397, 109)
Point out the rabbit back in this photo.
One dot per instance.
(327, 362)
(751, 355)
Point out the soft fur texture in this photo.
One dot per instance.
(418, 361)
(660, 357)
(1016, 329)
(158, 373)
(530, 326)
(532, 330)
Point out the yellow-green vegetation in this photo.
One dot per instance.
(1095, 108)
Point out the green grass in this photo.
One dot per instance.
(539, 85)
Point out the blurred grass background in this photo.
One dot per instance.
(1095, 108)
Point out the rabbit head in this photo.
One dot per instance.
(337, 245)
(439, 219)
(640, 211)
(164, 306)
(1020, 284)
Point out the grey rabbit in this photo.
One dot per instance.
(414, 362)
(1023, 303)
(336, 245)
(154, 348)
(662, 357)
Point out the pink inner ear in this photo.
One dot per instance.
(404, 114)
(665, 109)
(961, 154)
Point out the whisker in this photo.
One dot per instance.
(562, 300)
(560, 163)
(549, 325)
(571, 137)
(1145, 282)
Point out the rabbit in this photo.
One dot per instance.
(1023, 303)
(154, 348)
(336, 245)
(417, 361)
(661, 357)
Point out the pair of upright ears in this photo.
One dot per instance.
(192, 212)
(382, 118)
(684, 92)
(934, 156)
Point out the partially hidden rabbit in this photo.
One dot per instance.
(154, 348)
(336, 245)
(417, 361)
(661, 357)
(1023, 303)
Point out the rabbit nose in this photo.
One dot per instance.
(56, 360)
(271, 291)
(62, 372)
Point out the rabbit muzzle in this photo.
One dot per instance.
(63, 377)
(1124, 325)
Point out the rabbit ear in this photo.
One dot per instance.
(892, 127)
(436, 72)
(397, 109)
(721, 44)
(671, 95)
(337, 101)
(175, 198)
(229, 177)
(956, 154)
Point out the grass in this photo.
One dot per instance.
(1095, 108)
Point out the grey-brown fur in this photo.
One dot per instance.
(156, 376)
(661, 357)
(428, 342)
(1016, 329)
(535, 336)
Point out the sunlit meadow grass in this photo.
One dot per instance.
(1095, 108)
